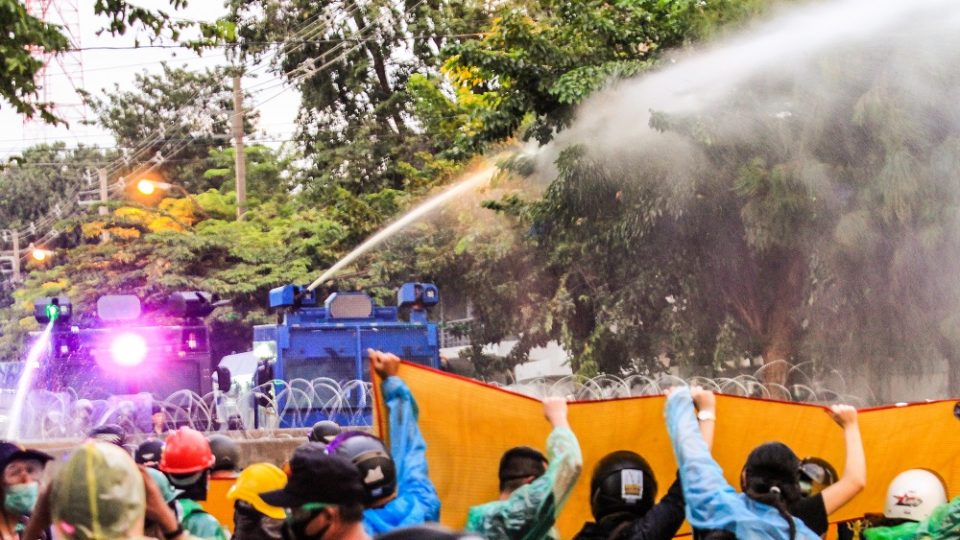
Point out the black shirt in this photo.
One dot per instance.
(812, 512)
(660, 523)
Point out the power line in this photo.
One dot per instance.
(289, 42)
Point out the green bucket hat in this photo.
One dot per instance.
(166, 488)
(98, 494)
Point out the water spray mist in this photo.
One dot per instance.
(26, 380)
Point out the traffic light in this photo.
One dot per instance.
(56, 309)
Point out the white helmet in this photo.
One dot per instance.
(913, 495)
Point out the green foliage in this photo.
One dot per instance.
(18, 67)
(20, 31)
(189, 108)
(355, 124)
(542, 60)
(33, 182)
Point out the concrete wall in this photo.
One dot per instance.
(275, 446)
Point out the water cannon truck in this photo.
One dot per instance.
(315, 342)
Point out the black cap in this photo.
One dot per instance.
(316, 477)
(11, 452)
(149, 451)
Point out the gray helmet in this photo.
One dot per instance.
(226, 451)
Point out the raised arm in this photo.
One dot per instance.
(706, 404)
(565, 459)
(417, 498)
(854, 476)
(709, 498)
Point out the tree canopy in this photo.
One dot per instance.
(806, 212)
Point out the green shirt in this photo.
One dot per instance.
(198, 522)
(531, 510)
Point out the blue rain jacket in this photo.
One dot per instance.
(417, 500)
(712, 503)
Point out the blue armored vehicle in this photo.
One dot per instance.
(315, 344)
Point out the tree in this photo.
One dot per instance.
(18, 32)
(352, 66)
(791, 219)
(176, 108)
(21, 34)
(42, 177)
(534, 65)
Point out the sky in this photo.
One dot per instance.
(102, 69)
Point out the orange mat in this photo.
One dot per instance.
(468, 425)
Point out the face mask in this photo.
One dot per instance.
(297, 530)
(21, 498)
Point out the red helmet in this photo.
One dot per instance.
(185, 452)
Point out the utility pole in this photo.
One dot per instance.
(104, 193)
(240, 160)
(16, 255)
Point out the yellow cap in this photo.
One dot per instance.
(254, 480)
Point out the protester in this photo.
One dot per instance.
(623, 490)
(324, 431)
(370, 456)
(226, 455)
(815, 509)
(148, 453)
(398, 490)
(533, 489)
(151, 527)
(712, 503)
(99, 494)
(22, 470)
(323, 497)
(254, 519)
(912, 498)
(187, 460)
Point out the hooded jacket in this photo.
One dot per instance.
(531, 510)
(712, 503)
(417, 500)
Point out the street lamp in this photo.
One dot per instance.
(148, 187)
(40, 254)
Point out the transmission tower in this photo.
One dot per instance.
(61, 78)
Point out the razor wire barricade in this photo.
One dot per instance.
(280, 404)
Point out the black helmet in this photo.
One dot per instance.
(149, 452)
(226, 451)
(324, 431)
(373, 460)
(622, 482)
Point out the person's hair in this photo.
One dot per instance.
(771, 492)
(351, 513)
(514, 483)
(772, 476)
(519, 464)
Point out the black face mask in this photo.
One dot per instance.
(249, 524)
(297, 530)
